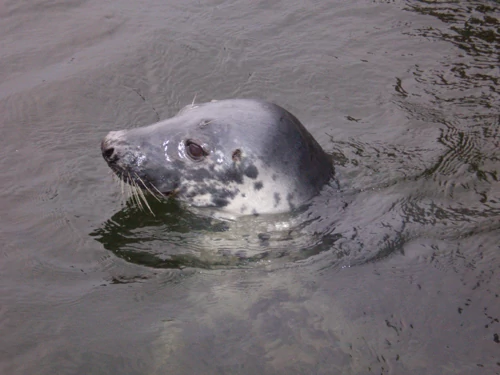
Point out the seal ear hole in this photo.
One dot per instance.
(204, 123)
(236, 155)
(195, 151)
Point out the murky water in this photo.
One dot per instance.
(393, 269)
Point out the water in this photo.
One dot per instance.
(394, 269)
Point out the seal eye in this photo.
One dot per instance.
(195, 151)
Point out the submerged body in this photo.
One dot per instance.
(240, 156)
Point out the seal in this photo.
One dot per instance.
(240, 156)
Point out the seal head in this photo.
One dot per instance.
(241, 156)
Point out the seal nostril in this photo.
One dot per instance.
(108, 153)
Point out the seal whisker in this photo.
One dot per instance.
(131, 195)
(140, 193)
(135, 194)
(122, 187)
(146, 187)
(138, 199)
(156, 189)
(125, 191)
(127, 195)
(143, 197)
(120, 182)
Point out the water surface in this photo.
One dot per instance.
(393, 269)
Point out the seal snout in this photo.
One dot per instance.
(108, 151)
(108, 146)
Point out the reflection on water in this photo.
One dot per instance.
(176, 237)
